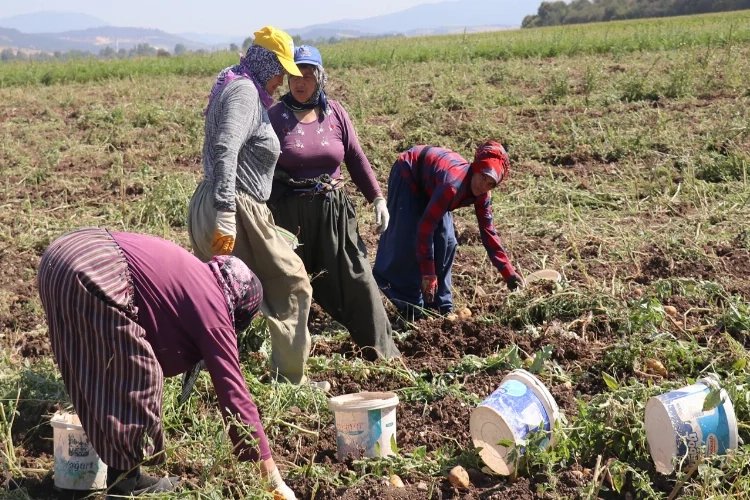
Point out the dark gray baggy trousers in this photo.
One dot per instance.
(336, 258)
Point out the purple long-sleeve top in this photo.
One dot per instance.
(184, 315)
(312, 149)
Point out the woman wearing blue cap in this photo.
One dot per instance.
(316, 135)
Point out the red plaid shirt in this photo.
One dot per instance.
(446, 181)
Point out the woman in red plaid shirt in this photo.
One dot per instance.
(416, 252)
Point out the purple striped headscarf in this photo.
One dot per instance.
(241, 288)
(259, 64)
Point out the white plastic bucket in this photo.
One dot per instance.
(544, 274)
(677, 428)
(365, 423)
(521, 405)
(77, 466)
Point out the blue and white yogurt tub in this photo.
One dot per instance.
(77, 465)
(677, 428)
(365, 423)
(521, 405)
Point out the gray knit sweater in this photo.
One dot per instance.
(240, 148)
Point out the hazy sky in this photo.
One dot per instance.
(214, 16)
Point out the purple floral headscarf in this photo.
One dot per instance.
(241, 288)
(259, 64)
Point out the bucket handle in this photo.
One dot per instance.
(65, 425)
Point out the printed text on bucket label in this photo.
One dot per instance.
(79, 466)
(694, 447)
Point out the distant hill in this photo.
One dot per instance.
(51, 22)
(94, 39)
(425, 19)
(65, 31)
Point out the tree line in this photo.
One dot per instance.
(9, 54)
(140, 50)
(146, 50)
(591, 11)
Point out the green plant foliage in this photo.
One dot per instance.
(628, 144)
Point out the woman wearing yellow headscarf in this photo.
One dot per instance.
(228, 212)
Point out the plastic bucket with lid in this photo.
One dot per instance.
(77, 465)
(677, 428)
(521, 405)
(365, 423)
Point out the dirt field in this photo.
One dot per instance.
(633, 187)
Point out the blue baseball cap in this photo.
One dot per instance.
(307, 54)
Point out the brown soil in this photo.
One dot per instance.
(433, 347)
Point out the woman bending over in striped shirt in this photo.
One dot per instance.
(126, 310)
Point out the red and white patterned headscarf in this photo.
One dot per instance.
(491, 159)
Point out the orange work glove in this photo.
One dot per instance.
(224, 233)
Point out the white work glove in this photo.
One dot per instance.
(279, 488)
(224, 233)
(381, 214)
(323, 385)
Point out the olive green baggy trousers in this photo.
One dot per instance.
(286, 287)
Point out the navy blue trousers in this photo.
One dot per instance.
(396, 268)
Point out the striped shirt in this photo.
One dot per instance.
(240, 147)
(445, 180)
